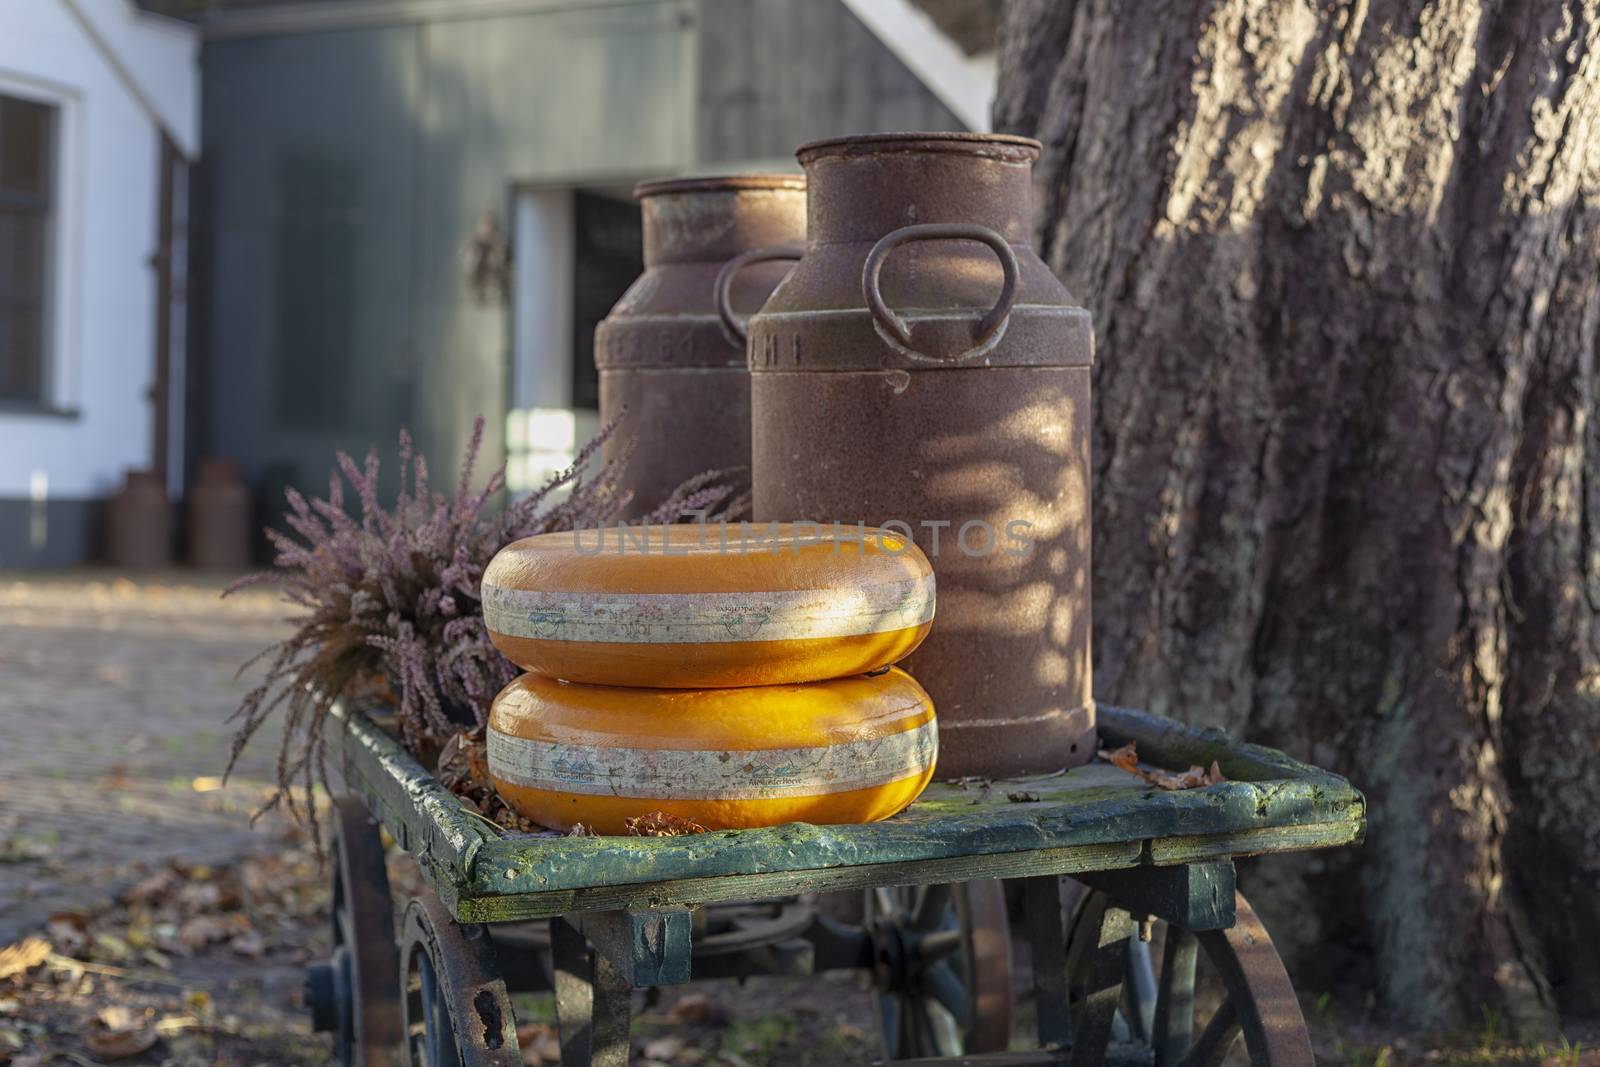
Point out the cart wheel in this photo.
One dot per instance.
(456, 1010)
(942, 968)
(1159, 1010)
(355, 993)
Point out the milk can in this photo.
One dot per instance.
(139, 521)
(922, 369)
(667, 355)
(219, 518)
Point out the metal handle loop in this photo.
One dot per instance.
(738, 332)
(894, 326)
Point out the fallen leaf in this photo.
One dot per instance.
(119, 1044)
(23, 956)
(539, 1044)
(110, 947)
(580, 830)
(249, 943)
(115, 1017)
(666, 1047)
(697, 1008)
(202, 930)
(1022, 798)
(661, 824)
(200, 896)
(67, 931)
(1127, 758)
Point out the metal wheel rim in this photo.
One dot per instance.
(1259, 1004)
(432, 1041)
(961, 1000)
(455, 1009)
(364, 948)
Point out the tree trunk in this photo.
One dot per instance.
(1344, 261)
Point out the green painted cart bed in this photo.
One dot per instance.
(1115, 949)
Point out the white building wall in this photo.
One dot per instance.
(103, 287)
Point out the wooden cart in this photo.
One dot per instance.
(1115, 948)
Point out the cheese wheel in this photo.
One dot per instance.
(693, 606)
(850, 750)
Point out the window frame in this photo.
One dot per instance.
(58, 371)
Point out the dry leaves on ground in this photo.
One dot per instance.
(539, 1043)
(23, 956)
(661, 824)
(664, 1049)
(697, 1008)
(116, 1034)
(100, 986)
(1127, 758)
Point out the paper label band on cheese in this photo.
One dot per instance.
(687, 618)
(729, 774)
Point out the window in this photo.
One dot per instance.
(607, 257)
(26, 130)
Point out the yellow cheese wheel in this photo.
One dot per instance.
(692, 606)
(850, 750)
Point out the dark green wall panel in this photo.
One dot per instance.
(343, 171)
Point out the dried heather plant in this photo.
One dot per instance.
(390, 597)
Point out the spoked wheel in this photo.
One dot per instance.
(456, 1011)
(1186, 997)
(942, 968)
(355, 993)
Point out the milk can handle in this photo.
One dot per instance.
(737, 330)
(895, 326)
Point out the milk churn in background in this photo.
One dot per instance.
(923, 366)
(664, 353)
(219, 518)
(139, 523)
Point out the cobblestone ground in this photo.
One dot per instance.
(114, 699)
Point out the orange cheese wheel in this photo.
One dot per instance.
(693, 606)
(851, 750)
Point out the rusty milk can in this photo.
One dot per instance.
(665, 353)
(921, 366)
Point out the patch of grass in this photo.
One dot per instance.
(534, 1008)
(1491, 1025)
(761, 1038)
(844, 1043)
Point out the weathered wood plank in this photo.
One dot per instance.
(648, 947)
(535, 865)
(1090, 818)
(1192, 896)
(695, 891)
(1175, 745)
(423, 816)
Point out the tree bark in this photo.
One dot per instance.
(1344, 261)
